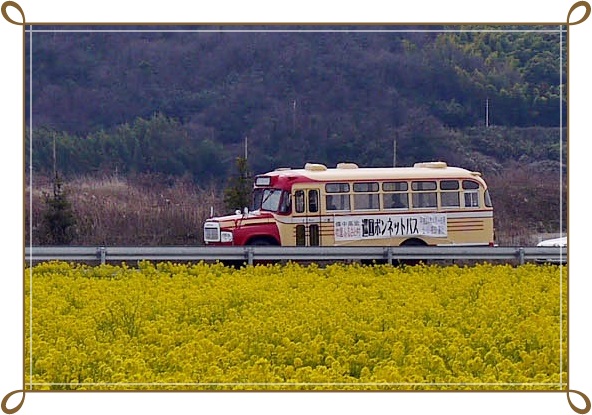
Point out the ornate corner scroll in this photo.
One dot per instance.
(15, 5)
(586, 408)
(5, 408)
(577, 5)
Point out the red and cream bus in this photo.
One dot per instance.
(427, 204)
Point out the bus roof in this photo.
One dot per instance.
(350, 171)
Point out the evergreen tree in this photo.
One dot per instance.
(58, 219)
(237, 194)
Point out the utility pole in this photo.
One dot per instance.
(246, 146)
(294, 119)
(55, 170)
(395, 151)
(487, 113)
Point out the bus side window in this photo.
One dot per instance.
(471, 193)
(424, 194)
(337, 202)
(395, 200)
(286, 203)
(330, 203)
(471, 199)
(449, 195)
(366, 196)
(395, 195)
(313, 201)
(299, 201)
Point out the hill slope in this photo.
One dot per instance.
(181, 103)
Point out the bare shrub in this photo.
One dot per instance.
(148, 211)
(528, 202)
(113, 211)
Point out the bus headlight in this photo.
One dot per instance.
(226, 237)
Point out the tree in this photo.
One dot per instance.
(238, 192)
(58, 221)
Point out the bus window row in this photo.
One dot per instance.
(400, 195)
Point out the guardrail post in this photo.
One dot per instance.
(249, 256)
(389, 255)
(103, 254)
(521, 255)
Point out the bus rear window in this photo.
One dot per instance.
(488, 199)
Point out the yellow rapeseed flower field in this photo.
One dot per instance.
(340, 327)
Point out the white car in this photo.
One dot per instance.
(556, 243)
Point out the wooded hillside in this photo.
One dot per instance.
(181, 103)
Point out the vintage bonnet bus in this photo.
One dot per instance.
(428, 204)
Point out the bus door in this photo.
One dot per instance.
(307, 213)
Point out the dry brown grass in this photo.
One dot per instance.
(148, 211)
(113, 211)
(528, 205)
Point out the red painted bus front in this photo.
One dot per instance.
(271, 198)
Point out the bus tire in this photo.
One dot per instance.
(412, 242)
(262, 241)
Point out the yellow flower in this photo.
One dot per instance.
(295, 327)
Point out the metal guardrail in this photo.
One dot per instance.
(250, 254)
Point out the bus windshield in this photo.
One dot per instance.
(267, 199)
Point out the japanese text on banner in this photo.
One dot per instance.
(388, 226)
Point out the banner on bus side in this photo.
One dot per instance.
(348, 228)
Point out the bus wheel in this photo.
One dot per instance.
(263, 242)
(412, 242)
